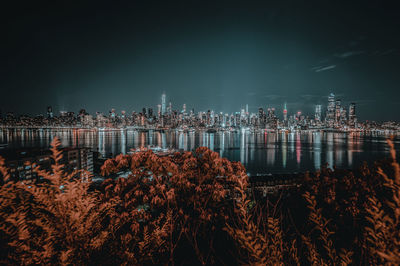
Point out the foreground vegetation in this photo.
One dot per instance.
(194, 208)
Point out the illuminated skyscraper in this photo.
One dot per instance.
(352, 114)
(330, 114)
(318, 112)
(170, 108)
(338, 106)
(159, 110)
(284, 113)
(163, 104)
(184, 108)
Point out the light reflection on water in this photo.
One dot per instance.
(260, 152)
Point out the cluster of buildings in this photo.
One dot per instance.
(21, 162)
(334, 116)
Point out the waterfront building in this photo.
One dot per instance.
(352, 114)
(21, 162)
(338, 106)
(318, 113)
(49, 112)
(284, 113)
(330, 113)
(163, 104)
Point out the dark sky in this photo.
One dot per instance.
(217, 55)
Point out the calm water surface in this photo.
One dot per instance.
(260, 152)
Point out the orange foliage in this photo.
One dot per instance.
(194, 208)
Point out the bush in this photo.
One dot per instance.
(194, 208)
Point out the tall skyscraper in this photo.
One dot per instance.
(352, 114)
(170, 108)
(184, 108)
(318, 112)
(284, 113)
(49, 112)
(330, 114)
(163, 104)
(159, 110)
(338, 106)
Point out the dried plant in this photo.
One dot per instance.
(383, 233)
(194, 208)
(54, 221)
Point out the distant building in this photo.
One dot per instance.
(163, 104)
(284, 113)
(21, 161)
(49, 112)
(330, 112)
(318, 112)
(338, 106)
(352, 114)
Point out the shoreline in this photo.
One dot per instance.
(209, 130)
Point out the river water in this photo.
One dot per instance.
(260, 152)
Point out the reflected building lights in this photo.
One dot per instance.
(270, 149)
(329, 150)
(180, 140)
(350, 147)
(164, 140)
(222, 145)
(260, 151)
(298, 149)
(242, 148)
(211, 142)
(101, 142)
(284, 149)
(123, 142)
(192, 139)
(317, 150)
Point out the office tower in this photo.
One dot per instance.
(247, 109)
(169, 109)
(318, 112)
(337, 110)
(352, 114)
(150, 112)
(159, 110)
(163, 104)
(261, 117)
(144, 111)
(343, 115)
(49, 112)
(284, 113)
(330, 114)
(184, 108)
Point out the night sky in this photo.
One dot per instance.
(218, 55)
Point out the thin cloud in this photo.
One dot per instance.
(320, 69)
(349, 54)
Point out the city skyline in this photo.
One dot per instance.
(163, 109)
(212, 55)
